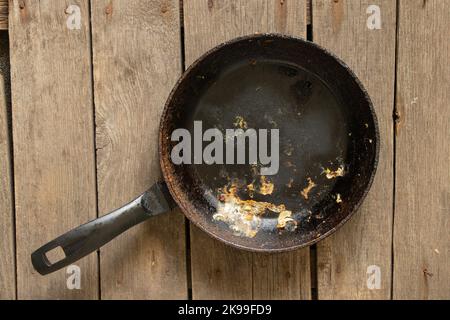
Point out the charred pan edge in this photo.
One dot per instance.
(187, 207)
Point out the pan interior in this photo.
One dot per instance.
(270, 94)
(320, 141)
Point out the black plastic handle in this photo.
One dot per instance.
(90, 236)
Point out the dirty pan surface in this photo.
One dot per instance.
(327, 143)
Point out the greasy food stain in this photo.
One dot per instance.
(240, 122)
(243, 217)
(251, 190)
(308, 188)
(266, 186)
(285, 221)
(331, 174)
(289, 184)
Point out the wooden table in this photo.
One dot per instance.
(88, 83)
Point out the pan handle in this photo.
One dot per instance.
(90, 236)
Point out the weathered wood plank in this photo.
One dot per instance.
(344, 258)
(284, 276)
(53, 138)
(7, 258)
(136, 46)
(3, 14)
(219, 271)
(228, 273)
(422, 202)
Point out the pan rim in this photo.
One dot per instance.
(174, 191)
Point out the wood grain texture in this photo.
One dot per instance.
(219, 271)
(422, 220)
(7, 258)
(3, 14)
(53, 139)
(136, 47)
(366, 239)
(284, 276)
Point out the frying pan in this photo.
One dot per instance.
(328, 151)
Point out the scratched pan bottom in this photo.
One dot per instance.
(327, 148)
